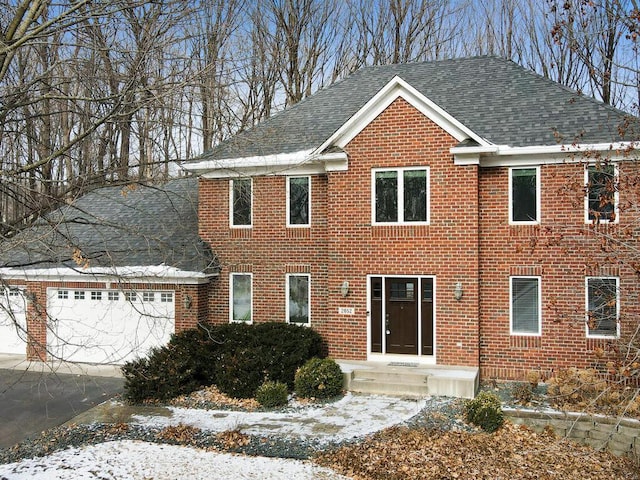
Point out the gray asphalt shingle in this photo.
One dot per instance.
(497, 99)
(139, 225)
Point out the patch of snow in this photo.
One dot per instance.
(137, 460)
(351, 417)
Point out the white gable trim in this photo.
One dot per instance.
(396, 88)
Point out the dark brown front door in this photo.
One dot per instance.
(401, 315)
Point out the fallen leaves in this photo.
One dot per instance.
(514, 452)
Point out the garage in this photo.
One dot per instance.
(107, 326)
(13, 323)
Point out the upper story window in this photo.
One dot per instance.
(601, 201)
(525, 306)
(240, 202)
(400, 195)
(602, 306)
(524, 195)
(298, 201)
(240, 297)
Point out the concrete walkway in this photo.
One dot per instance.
(20, 362)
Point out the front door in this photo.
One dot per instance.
(401, 318)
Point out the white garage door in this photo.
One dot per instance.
(108, 326)
(13, 323)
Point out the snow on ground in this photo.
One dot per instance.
(135, 460)
(352, 416)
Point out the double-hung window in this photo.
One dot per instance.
(299, 299)
(525, 306)
(240, 297)
(400, 195)
(298, 201)
(601, 201)
(524, 195)
(602, 306)
(240, 201)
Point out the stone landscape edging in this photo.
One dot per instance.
(621, 436)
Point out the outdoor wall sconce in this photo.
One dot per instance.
(457, 291)
(344, 289)
(187, 302)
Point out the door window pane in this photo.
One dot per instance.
(386, 196)
(240, 297)
(299, 200)
(524, 195)
(241, 202)
(298, 299)
(602, 299)
(415, 196)
(525, 305)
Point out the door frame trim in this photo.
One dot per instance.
(384, 357)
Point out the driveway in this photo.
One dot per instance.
(33, 401)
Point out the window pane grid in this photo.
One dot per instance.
(401, 195)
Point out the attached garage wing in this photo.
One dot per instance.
(107, 326)
(13, 323)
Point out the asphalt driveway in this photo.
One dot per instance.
(33, 401)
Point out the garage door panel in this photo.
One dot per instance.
(107, 328)
(13, 323)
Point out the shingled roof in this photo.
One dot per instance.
(134, 225)
(495, 98)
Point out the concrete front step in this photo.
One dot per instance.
(410, 381)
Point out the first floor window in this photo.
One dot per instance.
(96, 295)
(63, 294)
(401, 195)
(148, 296)
(524, 188)
(240, 297)
(525, 306)
(78, 295)
(602, 193)
(602, 306)
(241, 201)
(113, 296)
(298, 299)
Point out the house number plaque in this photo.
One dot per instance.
(346, 311)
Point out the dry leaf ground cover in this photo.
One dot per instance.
(512, 453)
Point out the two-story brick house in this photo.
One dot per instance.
(426, 213)
(436, 213)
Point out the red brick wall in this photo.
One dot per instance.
(563, 251)
(342, 245)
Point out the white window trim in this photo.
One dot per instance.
(538, 195)
(231, 224)
(525, 334)
(231, 319)
(400, 197)
(297, 225)
(616, 211)
(288, 276)
(586, 307)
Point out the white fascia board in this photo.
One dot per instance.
(239, 165)
(506, 156)
(133, 274)
(397, 87)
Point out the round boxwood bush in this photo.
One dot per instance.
(485, 411)
(319, 378)
(272, 394)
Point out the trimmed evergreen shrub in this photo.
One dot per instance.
(272, 394)
(485, 411)
(236, 357)
(319, 378)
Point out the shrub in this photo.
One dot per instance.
(485, 411)
(272, 394)
(178, 368)
(319, 378)
(237, 358)
(522, 392)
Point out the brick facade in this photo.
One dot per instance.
(467, 240)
